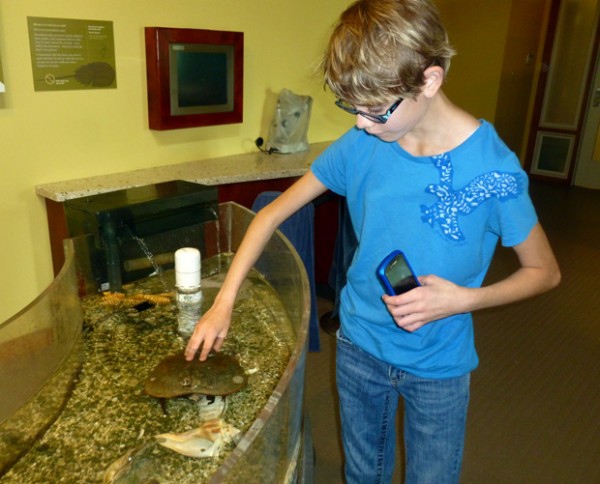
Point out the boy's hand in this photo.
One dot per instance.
(209, 333)
(437, 298)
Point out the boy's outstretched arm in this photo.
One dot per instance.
(439, 298)
(212, 328)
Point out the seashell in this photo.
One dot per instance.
(133, 466)
(204, 441)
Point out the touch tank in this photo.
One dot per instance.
(277, 445)
(40, 356)
(274, 446)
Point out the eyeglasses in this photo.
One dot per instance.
(376, 118)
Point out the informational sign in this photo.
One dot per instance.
(69, 54)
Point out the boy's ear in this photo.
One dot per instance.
(434, 78)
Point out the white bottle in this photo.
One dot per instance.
(188, 289)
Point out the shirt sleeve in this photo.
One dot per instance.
(331, 166)
(517, 217)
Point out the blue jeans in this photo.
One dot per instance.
(435, 412)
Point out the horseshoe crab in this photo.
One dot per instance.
(218, 375)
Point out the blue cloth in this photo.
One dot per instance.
(299, 229)
(343, 251)
(446, 213)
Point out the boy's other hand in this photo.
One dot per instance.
(435, 299)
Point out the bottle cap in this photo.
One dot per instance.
(187, 267)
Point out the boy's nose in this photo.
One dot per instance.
(362, 122)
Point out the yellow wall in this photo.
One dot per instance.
(53, 136)
(478, 31)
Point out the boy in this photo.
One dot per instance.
(423, 176)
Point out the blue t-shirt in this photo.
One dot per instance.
(446, 213)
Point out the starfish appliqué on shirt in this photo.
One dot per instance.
(453, 203)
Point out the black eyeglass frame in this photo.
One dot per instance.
(376, 118)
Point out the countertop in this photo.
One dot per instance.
(216, 171)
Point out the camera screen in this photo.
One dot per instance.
(400, 275)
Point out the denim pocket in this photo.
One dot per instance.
(341, 337)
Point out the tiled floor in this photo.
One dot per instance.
(534, 415)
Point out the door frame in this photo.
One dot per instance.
(535, 127)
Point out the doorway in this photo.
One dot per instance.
(587, 169)
(563, 90)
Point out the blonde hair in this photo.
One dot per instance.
(379, 50)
